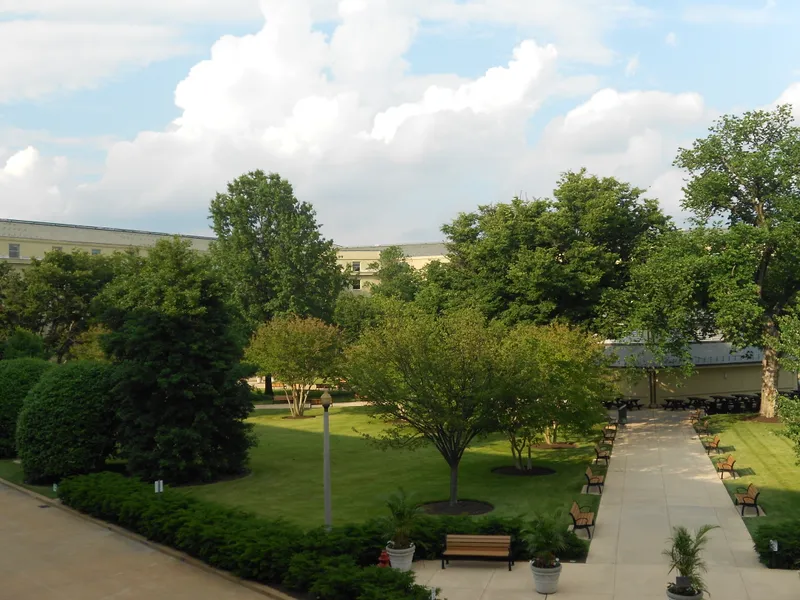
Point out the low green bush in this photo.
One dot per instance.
(787, 534)
(17, 377)
(331, 566)
(67, 424)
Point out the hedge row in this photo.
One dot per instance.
(335, 565)
(17, 377)
(787, 534)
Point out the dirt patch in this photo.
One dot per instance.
(534, 471)
(556, 446)
(760, 419)
(463, 507)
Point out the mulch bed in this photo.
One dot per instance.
(556, 446)
(760, 419)
(534, 471)
(463, 507)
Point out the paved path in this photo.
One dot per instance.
(284, 405)
(48, 554)
(659, 477)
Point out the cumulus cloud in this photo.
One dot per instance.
(30, 185)
(40, 57)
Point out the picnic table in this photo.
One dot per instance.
(633, 403)
(698, 401)
(674, 404)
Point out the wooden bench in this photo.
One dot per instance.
(748, 497)
(601, 454)
(593, 480)
(712, 445)
(609, 434)
(581, 519)
(695, 416)
(726, 466)
(477, 547)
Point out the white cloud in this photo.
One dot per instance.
(791, 95)
(671, 39)
(30, 185)
(40, 57)
(632, 67)
(724, 13)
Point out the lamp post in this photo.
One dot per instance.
(326, 401)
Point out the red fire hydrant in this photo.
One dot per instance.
(383, 561)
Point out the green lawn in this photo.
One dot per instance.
(286, 478)
(762, 458)
(11, 471)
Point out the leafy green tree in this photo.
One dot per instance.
(299, 352)
(736, 272)
(17, 377)
(54, 298)
(397, 278)
(22, 343)
(430, 378)
(551, 259)
(356, 312)
(555, 379)
(10, 284)
(182, 398)
(68, 422)
(271, 250)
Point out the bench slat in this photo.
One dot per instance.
(474, 552)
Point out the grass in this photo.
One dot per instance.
(286, 477)
(764, 459)
(11, 471)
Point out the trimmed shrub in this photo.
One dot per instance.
(23, 344)
(787, 534)
(270, 552)
(67, 423)
(17, 377)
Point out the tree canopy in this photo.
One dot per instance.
(396, 277)
(271, 251)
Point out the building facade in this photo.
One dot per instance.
(20, 241)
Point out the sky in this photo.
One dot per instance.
(389, 116)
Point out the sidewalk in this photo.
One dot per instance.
(48, 554)
(285, 406)
(659, 476)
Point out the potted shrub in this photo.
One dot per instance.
(546, 538)
(404, 513)
(684, 556)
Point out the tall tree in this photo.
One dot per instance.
(744, 190)
(552, 259)
(181, 395)
(272, 252)
(430, 378)
(54, 297)
(396, 277)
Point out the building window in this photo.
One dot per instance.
(95, 251)
(13, 251)
(356, 284)
(356, 267)
(56, 248)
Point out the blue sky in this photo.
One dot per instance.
(737, 57)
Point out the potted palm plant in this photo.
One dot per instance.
(403, 514)
(546, 538)
(684, 556)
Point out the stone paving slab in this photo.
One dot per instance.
(659, 476)
(48, 554)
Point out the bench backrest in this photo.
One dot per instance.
(589, 472)
(575, 511)
(716, 441)
(753, 491)
(728, 462)
(494, 542)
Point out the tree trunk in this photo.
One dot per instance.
(770, 372)
(530, 460)
(268, 391)
(454, 484)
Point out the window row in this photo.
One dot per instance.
(14, 250)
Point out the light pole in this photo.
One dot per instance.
(326, 401)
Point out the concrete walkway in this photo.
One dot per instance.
(659, 477)
(285, 405)
(48, 554)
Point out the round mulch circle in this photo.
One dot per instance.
(534, 471)
(556, 446)
(303, 417)
(463, 507)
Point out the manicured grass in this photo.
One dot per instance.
(11, 471)
(764, 459)
(286, 478)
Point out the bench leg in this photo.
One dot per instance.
(443, 562)
(589, 531)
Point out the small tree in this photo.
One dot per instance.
(430, 379)
(17, 377)
(299, 352)
(555, 379)
(397, 278)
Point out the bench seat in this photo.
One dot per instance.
(490, 547)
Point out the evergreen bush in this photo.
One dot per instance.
(17, 377)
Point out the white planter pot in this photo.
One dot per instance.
(401, 559)
(545, 580)
(672, 596)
